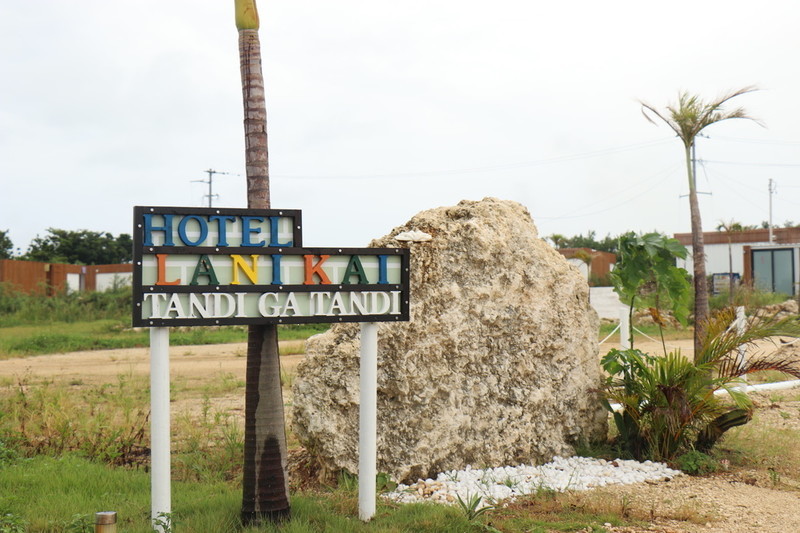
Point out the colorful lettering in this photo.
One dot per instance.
(250, 271)
(204, 268)
(312, 268)
(161, 262)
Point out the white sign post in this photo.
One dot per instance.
(160, 489)
(367, 421)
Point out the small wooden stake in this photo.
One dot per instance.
(105, 522)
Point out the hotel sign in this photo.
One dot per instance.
(208, 266)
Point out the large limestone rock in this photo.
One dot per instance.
(497, 366)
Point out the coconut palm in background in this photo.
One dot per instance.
(265, 483)
(688, 118)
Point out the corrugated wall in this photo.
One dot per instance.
(51, 278)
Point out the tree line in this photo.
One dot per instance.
(82, 247)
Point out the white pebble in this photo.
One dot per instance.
(561, 474)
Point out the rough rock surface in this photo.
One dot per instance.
(498, 365)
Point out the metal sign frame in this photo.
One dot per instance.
(398, 288)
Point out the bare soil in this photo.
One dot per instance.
(736, 501)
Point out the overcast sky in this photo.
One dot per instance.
(379, 110)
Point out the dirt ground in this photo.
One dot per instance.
(731, 502)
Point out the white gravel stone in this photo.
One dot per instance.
(561, 474)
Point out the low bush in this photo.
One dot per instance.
(667, 404)
(747, 296)
(17, 308)
(696, 463)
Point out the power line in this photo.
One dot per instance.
(756, 141)
(660, 176)
(469, 170)
(752, 164)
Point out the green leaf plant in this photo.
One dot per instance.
(472, 506)
(668, 405)
(646, 269)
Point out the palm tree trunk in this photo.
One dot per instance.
(255, 120)
(265, 494)
(698, 260)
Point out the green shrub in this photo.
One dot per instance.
(696, 463)
(7, 454)
(17, 308)
(668, 406)
(747, 296)
(11, 523)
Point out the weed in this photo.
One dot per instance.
(774, 477)
(471, 507)
(11, 523)
(211, 446)
(99, 422)
(347, 482)
(624, 508)
(384, 483)
(697, 463)
(747, 296)
(292, 347)
(287, 378)
(79, 523)
(163, 523)
(7, 455)
(510, 482)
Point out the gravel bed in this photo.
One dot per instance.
(562, 474)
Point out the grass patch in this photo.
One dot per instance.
(768, 376)
(18, 308)
(70, 487)
(650, 330)
(108, 334)
(69, 322)
(745, 296)
(107, 422)
(104, 334)
(757, 445)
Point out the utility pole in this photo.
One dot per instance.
(771, 192)
(210, 182)
(694, 171)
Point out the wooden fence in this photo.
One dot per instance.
(33, 277)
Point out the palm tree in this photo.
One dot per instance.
(558, 240)
(688, 118)
(667, 404)
(265, 488)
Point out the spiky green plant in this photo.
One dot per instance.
(472, 506)
(668, 404)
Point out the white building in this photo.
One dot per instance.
(769, 266)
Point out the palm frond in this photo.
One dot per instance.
(786, 364)
(722, 339)
(669, 403)
(690, 115)
(664, 118)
